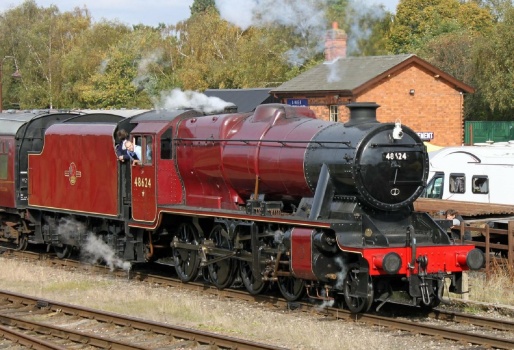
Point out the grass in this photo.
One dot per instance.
(496, 287)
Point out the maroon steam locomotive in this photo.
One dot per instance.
(272, 196)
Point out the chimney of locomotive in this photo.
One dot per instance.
(362, 112)
(335, 43)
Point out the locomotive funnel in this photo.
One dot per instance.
(362, 112)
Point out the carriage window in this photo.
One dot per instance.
(166, 145)
(480, 184)
(4, 146)
(3, 166)
(457, 183)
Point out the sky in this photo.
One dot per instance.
(149, 12)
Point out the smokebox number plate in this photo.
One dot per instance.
(397, 155)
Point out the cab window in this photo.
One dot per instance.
(144, 148)
(148, 147)
(167, 145)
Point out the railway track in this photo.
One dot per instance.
(45, 324)
(440, 324)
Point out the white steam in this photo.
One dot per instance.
(68, 228)
(306, 17)
(96, 251)
(303, 14)
(341, 275)
(144, 78)
(328, 302)
(178, 99)
(92, 248)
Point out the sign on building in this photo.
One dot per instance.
(298, 102)
(426, 136)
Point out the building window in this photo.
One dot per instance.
(334, 114)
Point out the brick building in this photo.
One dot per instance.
(408, 89)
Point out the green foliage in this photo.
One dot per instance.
(127, 77)
(494, 67)
(370, 30)
(39, 38)
(419, 21)
(201, 6)
(216, 54)
(66, 61)
(336, 11)
(85, 59)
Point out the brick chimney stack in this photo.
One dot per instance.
(335, 43)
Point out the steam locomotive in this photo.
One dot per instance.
(271, 197)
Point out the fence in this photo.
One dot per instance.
(491, 248)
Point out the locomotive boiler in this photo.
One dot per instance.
(274, 196)
(286, 152)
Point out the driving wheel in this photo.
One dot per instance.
(221, 272)
(253, 284)
(186, 261)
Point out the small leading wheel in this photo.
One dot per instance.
(23, 242)
(222, 272)
(254, 284)
(357, 303)
(186, 261)
(292, 288)
(64, 251)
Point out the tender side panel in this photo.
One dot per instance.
(7, 190)
(76, 171)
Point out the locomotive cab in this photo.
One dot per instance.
(143, 176)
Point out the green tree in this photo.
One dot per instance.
(86, 58)
(127, 76)
(39, 38)
(419, 21)
(494, 69)
(212, 53)
(201, 6)
(336, 11)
